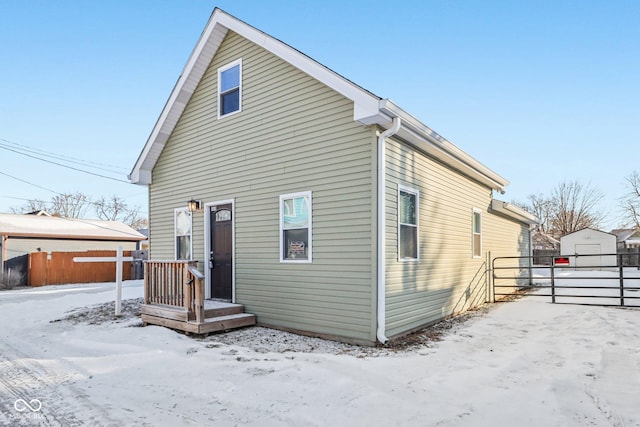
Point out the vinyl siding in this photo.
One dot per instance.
(293, 134)
(446, 279)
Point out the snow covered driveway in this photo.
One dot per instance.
(527, 363)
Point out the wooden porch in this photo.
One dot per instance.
(174, 298)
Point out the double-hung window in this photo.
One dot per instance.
(182, 223)
(407, 223)
(477, 233)
(295, 227)
(230, 88)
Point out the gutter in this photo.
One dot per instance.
(382, 205)
(433, 144)
(514, 212)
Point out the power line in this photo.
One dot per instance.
(52, 191)
(108, 167)
(30, 183)
(65, 166)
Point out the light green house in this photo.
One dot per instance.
(322, 207)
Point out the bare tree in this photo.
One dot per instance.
(541, 207)
(69, 205)
(574, 207)
(110, 209)
(31, 206)
(115, 208)
(76, 205)
(630, 202)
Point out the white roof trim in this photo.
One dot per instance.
(514, 212)
(439, 147)
(365, 103)
(368, 109)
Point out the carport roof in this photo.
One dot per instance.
(45, 227)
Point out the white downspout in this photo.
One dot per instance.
(395, 126)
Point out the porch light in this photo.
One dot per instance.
(194, 205)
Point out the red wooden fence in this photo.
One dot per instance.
(58, 267)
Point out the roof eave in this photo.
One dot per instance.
(426, 139)
(514, 212)
(10, 235)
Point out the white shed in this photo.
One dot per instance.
(589, 241)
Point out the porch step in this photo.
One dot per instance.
(219, 316)
(222, 323)
(217, 309)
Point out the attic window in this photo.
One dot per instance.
(230, 88)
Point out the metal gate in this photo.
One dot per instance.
(595, 279)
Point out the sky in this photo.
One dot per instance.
(541, 91)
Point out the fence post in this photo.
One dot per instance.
(487, 278)
(621, 268)
(490, 279)
(553, 282)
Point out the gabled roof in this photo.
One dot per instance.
(582, 230)
(623, 234)
(48, 227)
(543, 240)
(368, 109)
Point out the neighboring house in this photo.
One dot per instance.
(320, 206)
(627, 237)
(543, 241)
(592, 243)
(23, 234)
(143, 245)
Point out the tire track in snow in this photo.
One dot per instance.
(22, 377)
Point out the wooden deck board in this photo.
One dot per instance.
(223, 323)
(220, 316)
(164, 311)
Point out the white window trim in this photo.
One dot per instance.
(310, 227)
(175, 233)
(415, 192)
(473, 232)
(220, 71)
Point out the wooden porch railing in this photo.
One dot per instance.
(175, 283)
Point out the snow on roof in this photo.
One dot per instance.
(624, 234)
(66, 228)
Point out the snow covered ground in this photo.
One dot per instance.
(525, 363)
(591, 286)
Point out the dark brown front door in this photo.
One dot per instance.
(220, 257)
